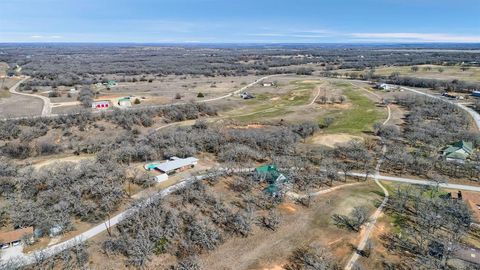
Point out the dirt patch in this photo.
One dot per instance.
(275, 98)
(473, 200)
(74, 159)
(311, 81)
(331, 140)
(251, 126)
(288, 208)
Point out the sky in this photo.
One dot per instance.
(240, 21)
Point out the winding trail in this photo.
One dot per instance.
(370, 226)
(47, 105)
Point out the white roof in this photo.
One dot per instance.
(177, 163)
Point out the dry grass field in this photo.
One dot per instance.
(472, 74)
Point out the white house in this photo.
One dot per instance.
(173, 165)
(384, 86)
(267, 84)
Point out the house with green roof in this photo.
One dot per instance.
(458, 151)
(278, 183)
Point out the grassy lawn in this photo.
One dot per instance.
(270, 105)
(358, 118)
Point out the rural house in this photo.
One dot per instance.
(125, 102)
(13, 238)
(173, 165)
(100, 104)
(268, 84)
(458, 151)
(278, 183)
(383, 86)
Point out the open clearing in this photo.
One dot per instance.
(358, 118)
(332, 140)
(300, 227)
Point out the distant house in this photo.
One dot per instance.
(458, 151)
(268, 84)
(125, 102)
(101, 104)
(476, 93)
(173, 165)
(451, 95)
(13, 238)
(246, 95)
(384, 86)
(112, 83)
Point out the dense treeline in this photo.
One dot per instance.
(436, 84)
(429, 228)
(82, 64)
(430, 125)
(24, 137)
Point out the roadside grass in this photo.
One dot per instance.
(359, 118)
(4, 94)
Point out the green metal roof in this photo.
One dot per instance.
(124, 99)
(455, 149)
(151, 166)
(266, 168)
(271, 189)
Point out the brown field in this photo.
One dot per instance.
(300, 226)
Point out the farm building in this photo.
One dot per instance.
(173, 165)
(125, 102)
(458, 151)
(100, 104)
(13, 238)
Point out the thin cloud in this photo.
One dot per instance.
(46, 37)
(419, 37)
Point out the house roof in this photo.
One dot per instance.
(12, 236)
(458, 150)
(176, 163)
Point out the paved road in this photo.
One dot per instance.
(420, 182)
(470, 111)
(47, 106)
(26, 259)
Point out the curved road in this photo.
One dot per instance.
(26, 259)
(47, 105)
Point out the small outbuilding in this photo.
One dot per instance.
(125, 102)
(246, 95)
(268, 84)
